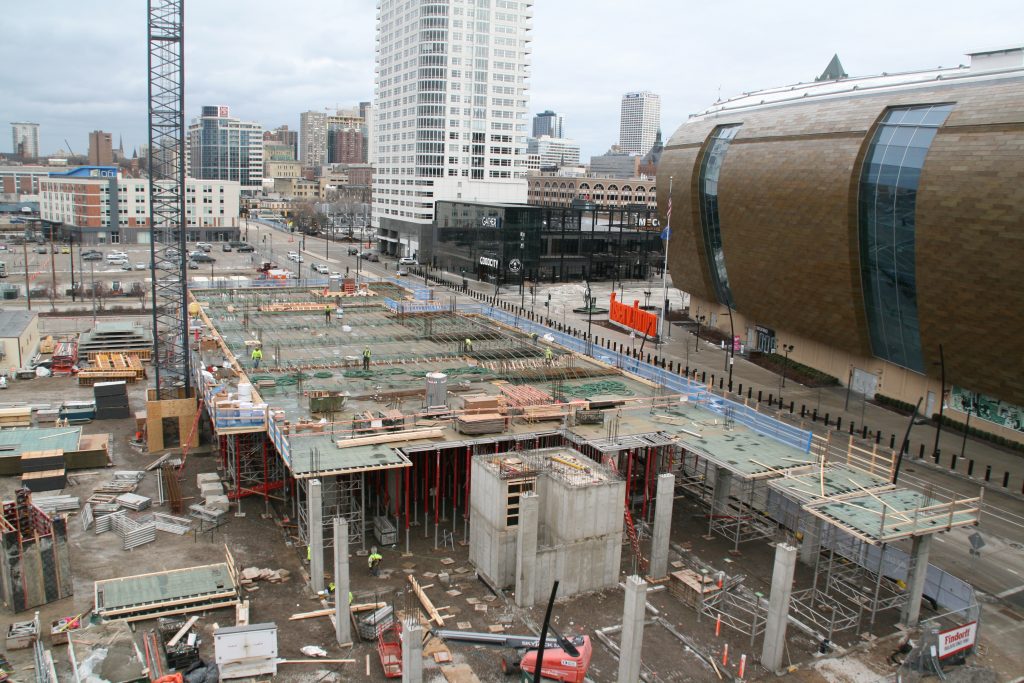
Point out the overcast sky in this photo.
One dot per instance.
(78, 66)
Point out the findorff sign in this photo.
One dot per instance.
(957, 639)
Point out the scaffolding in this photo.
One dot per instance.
(251, 467)
(737, 514)
(342, 496)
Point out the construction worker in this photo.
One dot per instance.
(373, 561)
(549, 356)
(257, 356)
(327, 314)
(366, 358)
(469, 345)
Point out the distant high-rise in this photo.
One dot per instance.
(549, 123)
(344, 145)
(283, 135)
(639, 122)
(25, 140)
(221, 147)
(461, 135)
(366, 112)
(101, 148)
(554, 152)
(313, 138)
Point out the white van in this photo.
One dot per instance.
(117, 258)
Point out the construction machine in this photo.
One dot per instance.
(564, 659)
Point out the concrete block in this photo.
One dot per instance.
(211, 489)
(207, 478)
(217, 503)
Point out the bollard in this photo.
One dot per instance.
(721, 384)
(826, 419)
(988, 472)
(1006, 479)
(878, 437)
(814, 415)
(937, 455)
(970, 467)
(803, 410)
(740, 392)
(791, 404)
(864, 429)
(839, 423)
(852, 423)
(920, 453)
(704, 377)
(750, 393)
(892, 441)
(758, 395)
(952, 462)
(771, 399)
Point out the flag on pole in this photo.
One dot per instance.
(667, 232)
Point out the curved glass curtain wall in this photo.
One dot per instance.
(887, 210)
(710, 167)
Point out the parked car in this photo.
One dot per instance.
(244, 248)
(65, 249)
(293, 256)
(117, 254)
(402, 271)
(225, 247)
(3, 247)
(126, 265)
(370, 256)
(141, 266)
(41, 250)
(92, 256)
(407, 261)
(321, 268)
(192, 265)
(204, 246)
(113, 260)
(202, 257)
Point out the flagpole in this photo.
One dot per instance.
(664, 269)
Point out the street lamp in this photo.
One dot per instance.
(786, 349)
(731, 353)
(590, 316)
(699, 319)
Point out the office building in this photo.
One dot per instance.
(639, 122)
(463, 137)
(283, 136)
(615, 164)
(25, 140)
(549, 123)
(313, 138)
(97, 205)
(101, 148)
(222, 147)
(366, 114)
(863, 224)
(345, 146)
(554, 152)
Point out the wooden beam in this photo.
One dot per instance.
(426, 602)
(182, 631)
(409, 435)
(363, 607)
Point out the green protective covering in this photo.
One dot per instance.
(606, 387)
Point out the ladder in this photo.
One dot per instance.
(634, 540)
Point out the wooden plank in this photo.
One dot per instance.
(182, 631)
(428, 605)
(392, 437)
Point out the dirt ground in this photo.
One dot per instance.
(259, 535)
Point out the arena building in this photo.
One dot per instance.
(866, 223)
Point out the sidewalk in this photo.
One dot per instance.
(709, 361)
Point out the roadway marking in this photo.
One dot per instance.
(1011, 591)
(1013, 571)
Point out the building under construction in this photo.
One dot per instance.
(399, 411)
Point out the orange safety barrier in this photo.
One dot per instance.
(633, 317)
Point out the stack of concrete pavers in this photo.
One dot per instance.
(212, 491)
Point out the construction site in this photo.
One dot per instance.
(367, 478)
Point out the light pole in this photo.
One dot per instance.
(942, 401)
(699, 319)
(590, 316)
(731, 353)
(71, 258)
(787, 349)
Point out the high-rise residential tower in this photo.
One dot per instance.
(221, 147)
(313, 138)
(549, 123)
(25, 140)
(451, 97)
(639, 122)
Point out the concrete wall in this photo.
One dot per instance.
(492, 544)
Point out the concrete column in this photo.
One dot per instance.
(662, 525)
(916, 575)
(723, 487)
(778, 607)
(315, 519)
(811, 544)
(632, 630)
(342, 623)
(412, 651)
(526, 549)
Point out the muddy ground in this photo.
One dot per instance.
(264, 535)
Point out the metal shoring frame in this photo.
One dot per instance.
(739, 609)
(843, 574)
(744, 522)
(251, 469)
(343, 496)
(835, 617)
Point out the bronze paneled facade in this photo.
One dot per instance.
(788, 193)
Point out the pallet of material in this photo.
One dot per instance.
(15, 417)
(476, 404)
(142, 354)
(688, 585)
(484, 423)
(53, 504)
(89, 377)
(47, 480)
(541, 413)
(178, 591)
(41, 461)
(120, 362)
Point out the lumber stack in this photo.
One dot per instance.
(475, 404)
(15, 417)
(524, 395)
(539, 413)
(88, 378)
(483, 423)
(120, 362)
(689, 586)
(43, 470)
